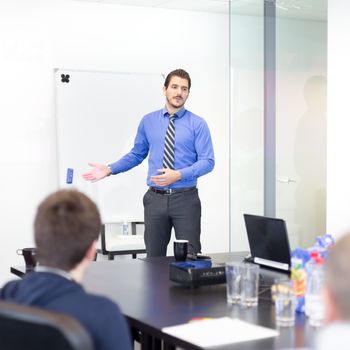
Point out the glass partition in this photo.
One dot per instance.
(298, 116)
(301, 70)
(247, 115)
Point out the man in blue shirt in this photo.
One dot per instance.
(172, 198)
(67, 225)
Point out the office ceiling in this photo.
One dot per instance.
(301, 9)
(218, 6)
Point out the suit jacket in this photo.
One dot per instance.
(99, 315)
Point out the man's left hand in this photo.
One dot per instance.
(167, 177)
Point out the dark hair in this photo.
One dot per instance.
(65, 225)
(178, 73)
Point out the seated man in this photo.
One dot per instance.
(66, 230)
(336, 333)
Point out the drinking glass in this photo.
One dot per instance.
(285, 300)
(233, 282)
(249, 284)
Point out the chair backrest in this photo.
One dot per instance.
(27, 327)
(132, 241)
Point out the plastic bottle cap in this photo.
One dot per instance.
(314, 254)
(319, 260)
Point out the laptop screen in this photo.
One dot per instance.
(268, 241)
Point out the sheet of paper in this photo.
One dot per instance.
(219, 331)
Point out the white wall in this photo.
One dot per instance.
(39, 35)
(338, 164)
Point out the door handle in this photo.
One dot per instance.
(285, 179)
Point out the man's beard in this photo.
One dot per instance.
(175, 106)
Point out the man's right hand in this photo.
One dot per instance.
(98, 172)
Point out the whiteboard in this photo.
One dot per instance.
(97, 115)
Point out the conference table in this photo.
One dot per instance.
(150, 302)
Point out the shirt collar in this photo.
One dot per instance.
(54, 270)
(179, 114)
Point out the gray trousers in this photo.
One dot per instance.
(162, 212)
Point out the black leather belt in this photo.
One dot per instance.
(169, 191)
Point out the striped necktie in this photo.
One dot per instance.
(168, 160)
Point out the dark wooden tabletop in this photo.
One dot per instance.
(151, 301)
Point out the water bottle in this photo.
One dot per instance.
(298, 276)
(314, 308)
(125, 228)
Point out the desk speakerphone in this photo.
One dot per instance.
(196, 273)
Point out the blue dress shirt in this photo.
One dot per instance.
(194, 154)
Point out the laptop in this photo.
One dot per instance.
(268, 241)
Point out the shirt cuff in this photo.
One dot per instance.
(187, 173)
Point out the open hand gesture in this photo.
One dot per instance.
(98, 172)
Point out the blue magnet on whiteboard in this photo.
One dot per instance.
(69, 179)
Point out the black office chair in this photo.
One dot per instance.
(31, 328)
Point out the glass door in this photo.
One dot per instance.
(278, 56)
(247, 115)
(301, 69)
